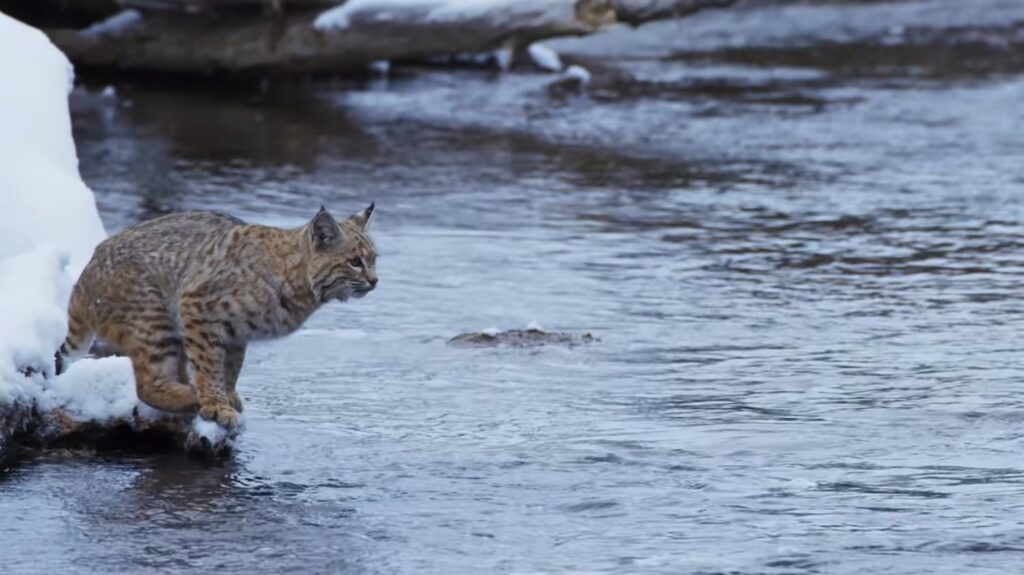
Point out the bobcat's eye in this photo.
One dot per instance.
(356, 262)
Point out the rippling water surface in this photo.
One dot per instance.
(796, 231)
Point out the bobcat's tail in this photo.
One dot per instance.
(78, 340)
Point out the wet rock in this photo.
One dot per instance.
(521, 338)
(14, 419)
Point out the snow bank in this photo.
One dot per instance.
(48, 228)
(49, 223)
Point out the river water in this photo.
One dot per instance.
(796, 231)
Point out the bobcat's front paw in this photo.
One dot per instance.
(223, 414)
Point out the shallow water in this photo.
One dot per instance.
(796, 231)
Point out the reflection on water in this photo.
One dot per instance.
(132, 514)
(796, 232)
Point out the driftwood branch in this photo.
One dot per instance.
(366, 32)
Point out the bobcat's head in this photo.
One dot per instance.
(343, 259)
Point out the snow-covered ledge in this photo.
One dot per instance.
(48, 228)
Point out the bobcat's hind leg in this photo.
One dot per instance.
(144, 330)
(157, 365)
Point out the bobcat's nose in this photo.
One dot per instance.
(372, 282)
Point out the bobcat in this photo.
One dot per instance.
(193, 288)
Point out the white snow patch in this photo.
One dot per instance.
(116, 25)
(48, 228)
(491, 331)
(503, 57)
(545, 57)
(214, 433)
(439, 11)
(209, 430)
(109, 92)
(577, 73)
(534, 325)
(93, 390)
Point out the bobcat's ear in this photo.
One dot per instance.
(362, 219)
(323, 230)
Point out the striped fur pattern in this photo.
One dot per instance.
(183, 294)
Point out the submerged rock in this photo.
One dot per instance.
(521, 338)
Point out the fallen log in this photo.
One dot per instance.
(347, 37)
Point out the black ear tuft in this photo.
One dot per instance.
(362, 219)
(323, 230)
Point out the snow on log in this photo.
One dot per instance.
(48, 228)
(353, 34)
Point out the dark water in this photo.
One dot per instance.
(797, 232)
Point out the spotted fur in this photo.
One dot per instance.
(183, 294)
